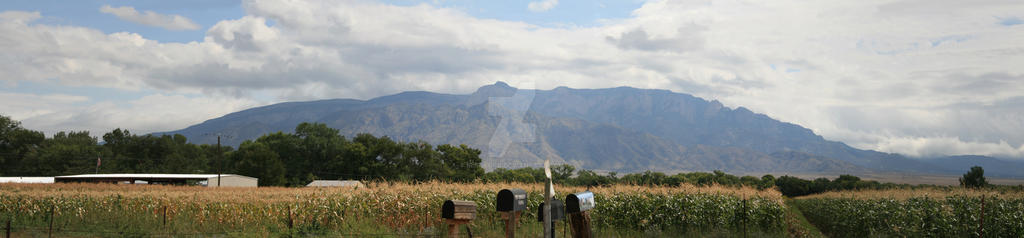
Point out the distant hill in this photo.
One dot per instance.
(993, 166)
(616, 129)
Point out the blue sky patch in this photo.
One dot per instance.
(87, 13)
(94, 94)
(1011, 21)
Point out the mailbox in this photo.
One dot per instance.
(511, 200)
(579, 202)
(557, 211)
(458, 210)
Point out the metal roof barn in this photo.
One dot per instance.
(210, 180)
(26, 179)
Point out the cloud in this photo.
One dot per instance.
(18, 17)
(943, 146)
(871, 73)
(150, 18)
(542, 6)
(154, 113)
(688, 38)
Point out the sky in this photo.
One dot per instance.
(922, 78)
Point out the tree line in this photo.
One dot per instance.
(314, 151)
(788, 185)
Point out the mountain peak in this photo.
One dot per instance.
(500, 84)
(498, 89)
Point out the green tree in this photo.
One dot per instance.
(294, 154)
(561, 173)
(975, 178)
(846, 182)
(65, 153)
(767, 181)
(15, 143)
(793, 186)
(462, 161)
(258, 160)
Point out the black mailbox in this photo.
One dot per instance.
(458, 210)
(579, 202)
(510, 200)
(557, 211)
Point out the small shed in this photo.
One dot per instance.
(336, 183)
(26, 179)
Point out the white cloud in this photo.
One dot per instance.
(941, 146)
(150, 18)
(24, 105)
(542, 6)
(153, 113)
(862, 72)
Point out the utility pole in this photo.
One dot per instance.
(220, 161)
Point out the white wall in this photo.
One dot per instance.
(233, 181)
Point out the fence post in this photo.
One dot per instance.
(289, 217)
(743, 219)
(8, 229)
(49, 231)
(165, 215)
(981, 223)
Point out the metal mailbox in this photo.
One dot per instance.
(458, 210)
(579, 202)
(557, 211)
(510, 200)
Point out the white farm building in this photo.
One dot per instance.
(209, 180)
(26, 179)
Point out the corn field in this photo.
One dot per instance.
(388, 209)
(916, 214)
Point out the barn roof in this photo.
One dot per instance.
(26, 179)
(148, 176)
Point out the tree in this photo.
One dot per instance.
(767, 181)
(15, 143)
(561, 173)
(793, 186)
(975, 178)
(256, 159)
(65, 153)
(462, 161)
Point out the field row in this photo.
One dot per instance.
(918, 216)
(386, 208)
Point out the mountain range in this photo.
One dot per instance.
(620, 129)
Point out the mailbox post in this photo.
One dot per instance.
(577, 205)
(511, 203)
(557, 213)
(457, 212)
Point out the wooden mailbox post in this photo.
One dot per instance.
(457, 212)
(511, 203)
(577, 205)
(557, 213)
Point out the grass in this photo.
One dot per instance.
(797, 225)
